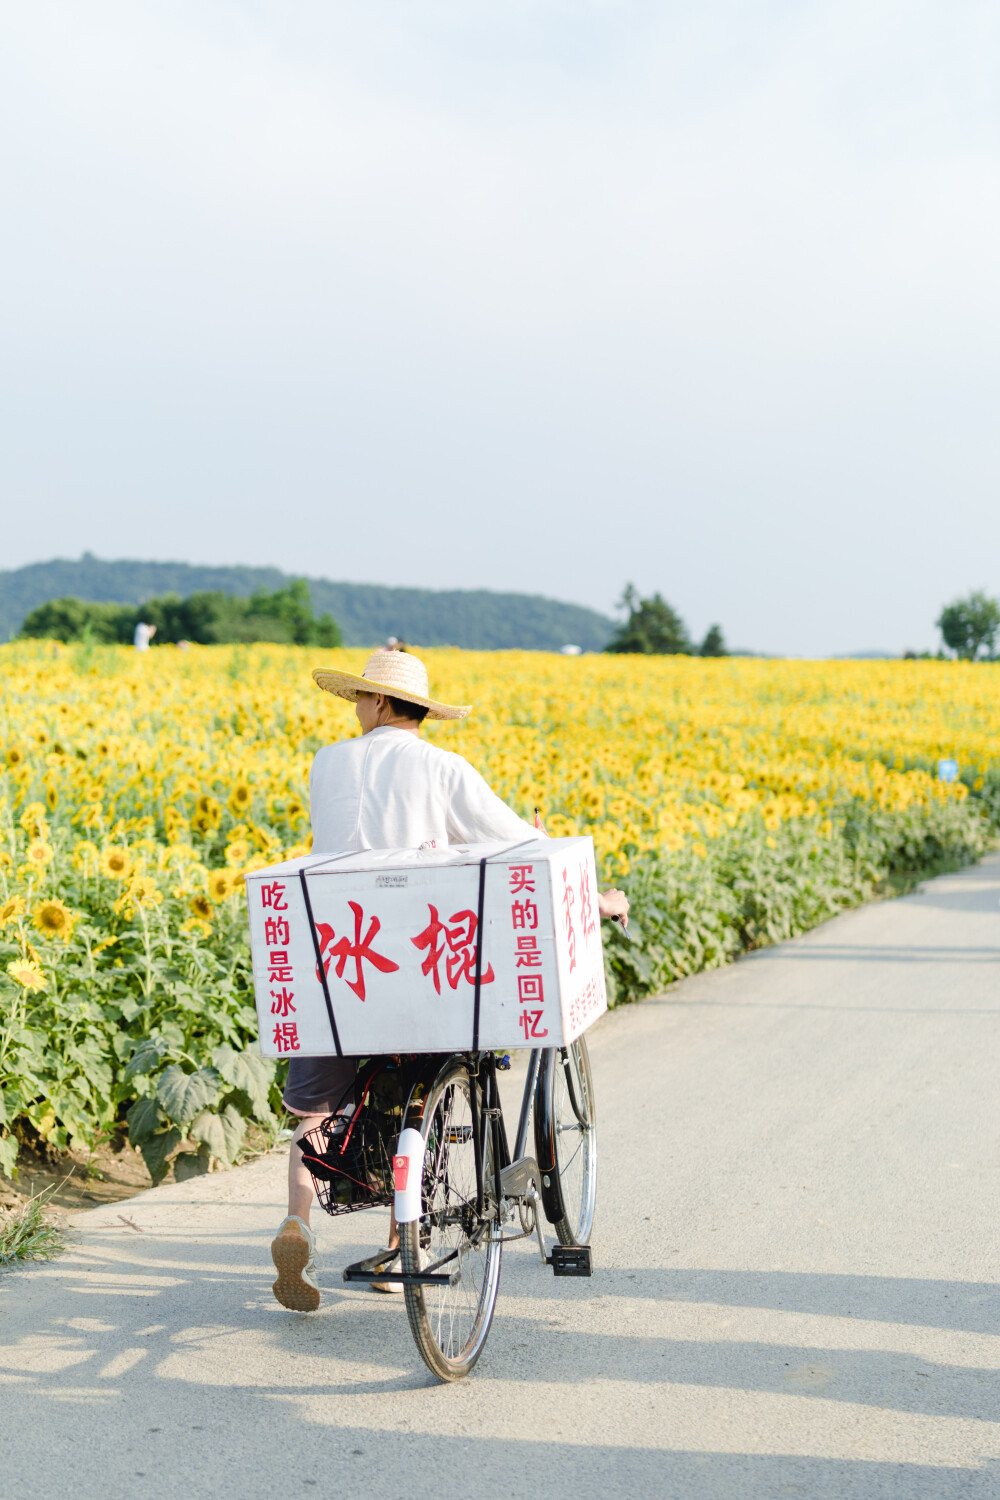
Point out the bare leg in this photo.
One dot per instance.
(300, 1184)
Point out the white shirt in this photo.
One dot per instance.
(389, 789)
(142, 636)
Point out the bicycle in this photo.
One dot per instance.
(467, 1187)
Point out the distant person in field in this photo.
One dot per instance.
(143, 635)
(387, 789)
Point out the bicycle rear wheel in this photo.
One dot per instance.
(566, 1141)
(450, 1323)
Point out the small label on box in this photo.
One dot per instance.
(392, 881)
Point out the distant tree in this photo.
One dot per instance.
(969, 626)
(282, 616)
(366, 613)
(652, 627)
(72, 619)
(292, 606)
(714, 643)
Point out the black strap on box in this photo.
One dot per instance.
(319, 963)
(479, 954)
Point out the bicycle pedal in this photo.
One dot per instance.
(571, 1260)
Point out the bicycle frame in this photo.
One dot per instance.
(515, 1180)
(513, 1177)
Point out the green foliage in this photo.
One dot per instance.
(751, 887)
(969, 626)
(146, 1020)
(652, 627)
(283, 616)
(28, 1233)
(478, 619)
(73, 620)
(714, 643)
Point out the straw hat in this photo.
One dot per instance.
(395, 673)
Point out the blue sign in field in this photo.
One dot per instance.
(947, 770)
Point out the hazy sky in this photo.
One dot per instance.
(542, 296)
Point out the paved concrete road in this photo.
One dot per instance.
(796, 1290)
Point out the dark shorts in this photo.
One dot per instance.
(317, 1085)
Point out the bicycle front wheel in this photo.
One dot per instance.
(566, 1141)
(450, 1323)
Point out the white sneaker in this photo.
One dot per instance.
(390, 1286)
(293, 1251)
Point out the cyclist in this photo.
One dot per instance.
(387, 789)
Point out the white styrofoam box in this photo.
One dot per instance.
(397, 932)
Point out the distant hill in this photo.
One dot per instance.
(366, 613)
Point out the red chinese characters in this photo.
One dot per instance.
(277, 936)
(359, 952)
(282, 1002)
(524, 914)
(286, 1036)
(588, 921)
(455, 942)
(530, 1022)
(279, 969)
(527, 953)
(568, 901)
(585, 1006)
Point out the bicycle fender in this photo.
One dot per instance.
(407, 1175)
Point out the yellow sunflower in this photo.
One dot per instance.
(141, 890)
(220, 885)
(33, 820)
(237, 853)
(11, 910)
(240, 798)
(175, 825)
(27, 974)
(51, 798)
(194, 924)
(85, 856)
(116, 862)
(14, 756)
(209, 813)
(202, 908)
(54, 920)
(295, 810)
(40, 854)
(298, 850)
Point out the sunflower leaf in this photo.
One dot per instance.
(146, 1056)
(246, 1071)
(156, 1150)
(209, 1130)
(182, 1095)
(235, 1128)
(8, 1154)
(192, 1164)
(143, 1119)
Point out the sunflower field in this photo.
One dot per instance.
(738, 801)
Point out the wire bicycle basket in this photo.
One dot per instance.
(349, 1155)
